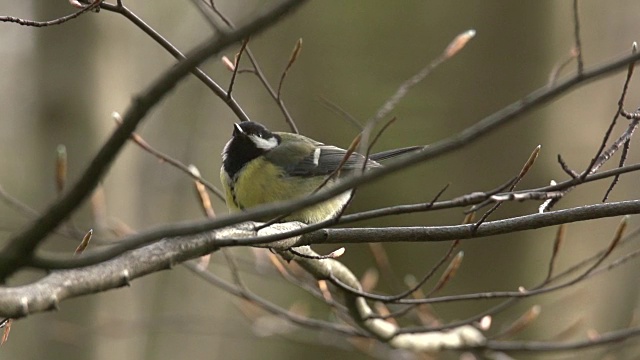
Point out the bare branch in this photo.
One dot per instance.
(93, 6)
(340, 111)
(576, 35)
(449, 273)
(522, 322)
(202, 76)
(294, 56)
(236, 65)
(597, 159)
(144, 145)
(556, 248)
(270, 307)
(19, 248)
(443, 233)
(461, 337)
(540, 346)
(48, 292)
(456, 45)
(345, 235)
(525, 169)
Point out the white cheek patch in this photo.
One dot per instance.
(316, 156)
(264, 144)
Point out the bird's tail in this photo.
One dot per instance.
(384, 155)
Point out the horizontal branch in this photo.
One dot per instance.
(550, 346)
(58, 21)
(349, 235)
(443, 233)
(46, 293)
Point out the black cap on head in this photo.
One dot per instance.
(252, 128)
(250, 140)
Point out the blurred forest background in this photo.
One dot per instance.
(59, 85)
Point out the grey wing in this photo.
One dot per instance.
(325, 160)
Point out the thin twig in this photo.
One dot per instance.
(623, 157)
(17, 204)
(61, 20)
(144, 145)
(340, 111)
(350, 151)
(482, 199)
(521, 323)
(456, 45)
(538, 289)
(623, 94)
(525, 169)
(270, 307)
(566, 168)
(383, 264)
(448, 274)
(257, 70)
(365, 164)
(236, 66)
(601, 155)
(203, 7)
(557, 242)
(576, 35)
(292, 59)
(201, 75)
(555, 72)
(224, 19)
(541, 346)
(382, 260)
(233, 268)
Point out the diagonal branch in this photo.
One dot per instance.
(20, 247)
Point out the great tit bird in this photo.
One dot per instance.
(260, 166)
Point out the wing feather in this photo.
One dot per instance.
(306, 157)
(327, 161)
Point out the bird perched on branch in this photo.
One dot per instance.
(260, 167)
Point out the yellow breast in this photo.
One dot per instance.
(257, 185)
